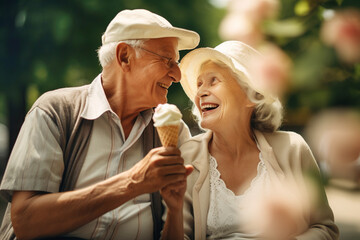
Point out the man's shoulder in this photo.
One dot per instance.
(69, 94)
(62, 98)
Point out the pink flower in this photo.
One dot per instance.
(255, 10)
(272, 70)
(342, 31)
(238, 27)
(244, 19)
(334, 136)
(275, 210)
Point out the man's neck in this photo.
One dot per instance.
(117, 93)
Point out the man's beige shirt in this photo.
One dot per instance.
(109, 154)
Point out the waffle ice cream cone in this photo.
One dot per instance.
(167, 122)
(168, 135)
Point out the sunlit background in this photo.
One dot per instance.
(312, 61)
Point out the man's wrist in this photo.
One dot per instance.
(132, 184)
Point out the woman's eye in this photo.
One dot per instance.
(214, 80)
(199, 84)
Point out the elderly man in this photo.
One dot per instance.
(82, 166)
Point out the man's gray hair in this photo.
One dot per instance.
(107, 52)
(266, 117)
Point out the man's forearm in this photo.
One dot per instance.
(38, 215)
(35, 214)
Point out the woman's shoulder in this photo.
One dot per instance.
(195, 146)
(195, 140)
(290, 146)
(285, 138)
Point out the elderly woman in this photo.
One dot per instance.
(250, 181)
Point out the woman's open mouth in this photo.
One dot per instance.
(209, 107)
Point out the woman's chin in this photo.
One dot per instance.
(208, 125)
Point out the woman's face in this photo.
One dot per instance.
(220, 99)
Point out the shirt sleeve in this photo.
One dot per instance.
(36, 161)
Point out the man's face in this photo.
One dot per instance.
(155, 70)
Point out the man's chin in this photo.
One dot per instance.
(163, 101)
(158, 102)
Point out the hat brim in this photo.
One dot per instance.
(187, 39)
(191, 63)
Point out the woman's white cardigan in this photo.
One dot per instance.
(286, 156)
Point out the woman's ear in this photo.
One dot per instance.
(124, 52)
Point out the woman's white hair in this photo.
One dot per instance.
(106, 53)
(266, 117)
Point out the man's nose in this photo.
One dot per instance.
(174, 72)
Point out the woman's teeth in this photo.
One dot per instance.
(207, 107)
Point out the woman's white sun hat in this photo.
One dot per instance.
(236, 55)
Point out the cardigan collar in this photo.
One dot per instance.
(265, 148)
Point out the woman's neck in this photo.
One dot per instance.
(234, 141)
(234, 138)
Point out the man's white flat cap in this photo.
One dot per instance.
(143, 24)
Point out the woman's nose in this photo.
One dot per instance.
(202, 91)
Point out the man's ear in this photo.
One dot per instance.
(124, 54)
(249, 104)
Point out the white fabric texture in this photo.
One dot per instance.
(226, 216)
(287, 158)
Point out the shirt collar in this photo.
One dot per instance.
(97, 103)
(147, 115)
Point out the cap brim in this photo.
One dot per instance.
(187, 39)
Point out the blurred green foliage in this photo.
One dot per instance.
(51, 44)
(320, 79)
